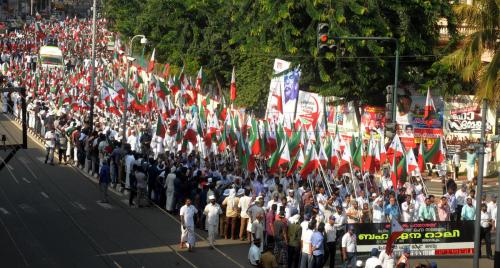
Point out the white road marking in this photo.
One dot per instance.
(10, 167)
(104, 205)
(4, 211)
(44, 195)
(10, 171)
(27, 208)
(26, 180)
(78, 205)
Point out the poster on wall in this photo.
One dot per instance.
(277, 87)
(372, 120)
(342, 116)
(309, 109)
(412, 126)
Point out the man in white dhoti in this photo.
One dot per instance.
(187, 213)
(212, 211)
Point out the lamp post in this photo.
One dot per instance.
(92, 79)
(129, 60)
(479, 188)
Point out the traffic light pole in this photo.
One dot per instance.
(396, 67)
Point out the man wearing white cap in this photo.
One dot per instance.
(212, 211)
(231, 204)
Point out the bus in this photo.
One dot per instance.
(50, 57)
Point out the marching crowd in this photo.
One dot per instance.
(287, 221)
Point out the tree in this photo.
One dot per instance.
(247, 34)
(482, 17)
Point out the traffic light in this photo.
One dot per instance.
(324, 42)
(390, 126)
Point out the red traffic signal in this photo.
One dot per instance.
(323, 38)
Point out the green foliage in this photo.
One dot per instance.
(249, 34)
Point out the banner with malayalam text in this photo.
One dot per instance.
(423, 238)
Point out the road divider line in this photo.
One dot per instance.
(4, 211)
(44, 195)
(79, 205)
(104, 205)
(26, 180)
(10, 171)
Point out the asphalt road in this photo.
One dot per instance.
(50, 217)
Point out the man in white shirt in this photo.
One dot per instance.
(461, 195)
(212, 211)
(321, 199)
(349, 248)
(331, 240)
(456, 163)
(387, 259)
(362, 199)
(258, 229)
(254, 253)
(243, 205)
(133, 141)
(50, 144)
(378, 215)
(486, 226)
(187, 213)
(408, 208)
(492, 209)
(373, 261)
(307, 259)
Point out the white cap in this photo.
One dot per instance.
(211, 197)
(241, 192)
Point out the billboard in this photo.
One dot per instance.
(342, 116)
(412, 127)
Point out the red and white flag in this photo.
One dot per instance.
(233, 86)
(395, 231)
(429, 108)
(151, 65)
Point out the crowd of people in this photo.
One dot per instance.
(287, 221)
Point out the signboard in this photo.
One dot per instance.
(423, 238)
(277, 92)
(463, 115)
(309, 108)
(463, 119)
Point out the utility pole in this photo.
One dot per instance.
(496, 139)
(479, 190)
(124, 126)
(92, 77)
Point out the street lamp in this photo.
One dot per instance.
(129, 61)
(92, 79)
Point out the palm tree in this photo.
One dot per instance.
(482, 17)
